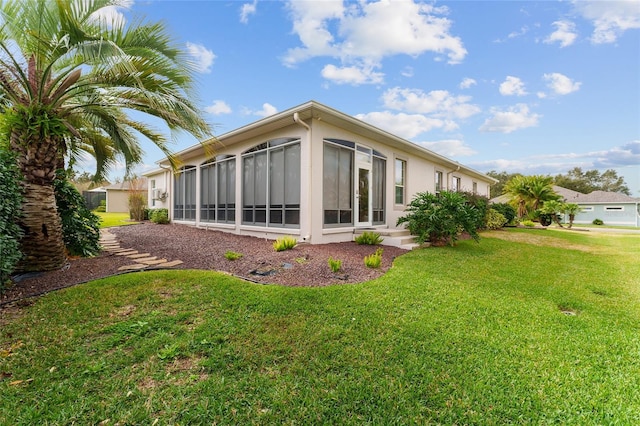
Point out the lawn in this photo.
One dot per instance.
(527, 327)
(108, 220)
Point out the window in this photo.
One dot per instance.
(184, 207)
(271, 184)
(339, 161)
(455, 184)
(587, 208)
(438, 179)
(475, 187)
(401, 177)
(153, 198)
(218, 190)
(613, 208)
(337, 185)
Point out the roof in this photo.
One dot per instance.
(313, 110)
(125, 186)
(605, 197)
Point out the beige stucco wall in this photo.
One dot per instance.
(117, 201)
(420, 177)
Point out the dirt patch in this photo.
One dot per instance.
(304, 265)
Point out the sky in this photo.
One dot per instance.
(529, 87)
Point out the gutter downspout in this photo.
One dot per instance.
(297, 120)
(170, 190)
(449, 174)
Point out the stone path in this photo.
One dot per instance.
(140, 261)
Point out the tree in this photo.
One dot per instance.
(497, 189)
(592, 180)
(528, 193)
(572, 210)
(552, 209)
(68, 78)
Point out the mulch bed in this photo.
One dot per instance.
(305, 265)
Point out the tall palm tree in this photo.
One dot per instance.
(69, 78)
(528, 193)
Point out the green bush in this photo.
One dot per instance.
(232, 255)
(369, 238)
(285, 243)
(506, 210)
(495, 220)
(441, 218)
(374, 260)
(334, 264)
(80, 226)
(160, 216)
(528, 223)
(598, 222)
(481, 204)
(10, 210)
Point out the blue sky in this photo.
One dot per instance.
(530, 87)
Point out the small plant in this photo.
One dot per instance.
(528, 223)
(374, 260)
(232, 255)
(301, 260)
(285, 243)
(160, 216)
(598, 222)
(369, 238)
(495, 219)
(335, 264)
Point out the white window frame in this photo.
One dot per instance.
(443, 185)
(587, 208)
(403, 164)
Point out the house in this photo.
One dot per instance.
(612, 208)
(310, 171)
(117, 200)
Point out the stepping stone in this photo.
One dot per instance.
(145, 259)
(110, 245)
(138, 256)
(133, 267)
(170, 264)
(152, 262)
(127, 252)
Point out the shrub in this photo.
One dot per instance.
(528, 223)
(232, 255)
(374, 260)
(102, 207)
(80, 226)
(136, 206)
(369, 238)
(160, 216)
(597, 222)
(440, 218)
(481, 204)
(285, 243)
(495, 220)
(10, 210)
(335, 264)
(506, 210)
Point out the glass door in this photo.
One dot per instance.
(363, 195)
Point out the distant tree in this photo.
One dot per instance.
(592, 180)
(503, 177)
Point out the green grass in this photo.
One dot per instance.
(473, 334)
(108, 220)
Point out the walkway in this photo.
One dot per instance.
(140, 261)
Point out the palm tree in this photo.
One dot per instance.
(528, 193)
(572, 210)
(69, 76)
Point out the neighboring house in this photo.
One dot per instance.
(311, 172)
(612, 208)
(93, 197)
(118, 195)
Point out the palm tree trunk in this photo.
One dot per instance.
(42, 243)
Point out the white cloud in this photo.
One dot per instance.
(218, 107)
(512, 86)
(565, 34)
(406, 125)
(610, 18)
(515, 118)
(112, 16)
(439, 103)
(407, 72)
(352, 75)
(561, 84)
(449, 148)
(365, 33)
(246, 10)
(266, 111)
(467, 83)
(515, 34)
(202, 57)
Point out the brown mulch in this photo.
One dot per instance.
(304, 265)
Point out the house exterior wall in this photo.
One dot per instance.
(420, 177)
(609, 213)
(117, 201)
